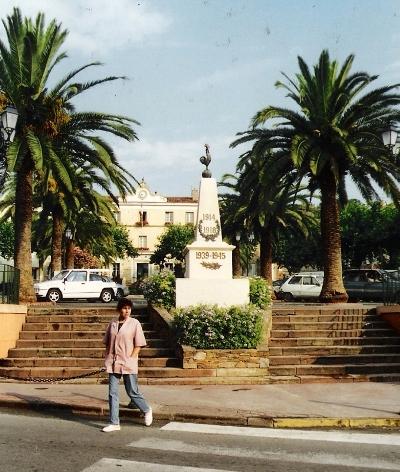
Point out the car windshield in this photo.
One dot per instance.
(60, 275)
(106, 279)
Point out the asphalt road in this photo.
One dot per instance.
(46, 443)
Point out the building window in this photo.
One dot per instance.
(189, 218)
(169, 217)
(142, 219)
(143, 242)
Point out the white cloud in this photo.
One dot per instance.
(172, 166)
(97, 26)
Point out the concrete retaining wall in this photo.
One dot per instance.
(12, 317)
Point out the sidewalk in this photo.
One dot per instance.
(293, 406)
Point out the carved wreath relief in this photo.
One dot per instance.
(209, 227)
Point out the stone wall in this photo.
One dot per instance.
(391, 314)
(12, 317)
(226, 362)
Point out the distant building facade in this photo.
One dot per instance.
(146, 215)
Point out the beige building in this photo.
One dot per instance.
(146, 215)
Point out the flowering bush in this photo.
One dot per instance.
(213, 327)
(159, 289)
(260, 294)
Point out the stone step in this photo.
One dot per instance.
(215, 380)
(334, 350)
(68, 372)
(316, 317)
(334, 359)
(77, 318)
(324, 341)
(306, 379)
(83, 362)
(335, 333)
(73, 334)
(100, 310)
(83, 352)
(77, 343)
(59, 326)
(342, 369)
(329, 325)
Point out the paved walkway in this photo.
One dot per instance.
(309, 405)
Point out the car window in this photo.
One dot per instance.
(295, 280)
(60, 275)
(352, 277)
(373, 276)
(77, 276)
(95, 278)
(307, 280)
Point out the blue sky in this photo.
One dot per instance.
(200, 69)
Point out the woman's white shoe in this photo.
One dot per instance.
(148, 417)
(111, 427)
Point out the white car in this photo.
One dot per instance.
(302, 285)
(80, 283)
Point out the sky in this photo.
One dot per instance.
(197, 71)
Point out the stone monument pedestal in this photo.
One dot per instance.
(222, 292)
(208, 276)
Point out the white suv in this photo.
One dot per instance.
(302, 285)
(80, 283)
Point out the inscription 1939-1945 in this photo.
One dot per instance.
(207, 255)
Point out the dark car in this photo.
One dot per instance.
(369, 284)
(276, 286)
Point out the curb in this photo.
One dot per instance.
(231, 420)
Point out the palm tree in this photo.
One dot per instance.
(336, 131)
(270, 206)
(26, 63)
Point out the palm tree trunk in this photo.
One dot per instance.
(333, 290)
(236, 265)
(56, 240)
(23, 232)
(69, 253)
(266, 254)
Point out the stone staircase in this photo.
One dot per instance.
(329, 344)
(63, 343)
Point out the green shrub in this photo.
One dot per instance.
(213, 327)
(260, 294)
(159, 289)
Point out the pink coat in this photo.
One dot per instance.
(120, 344)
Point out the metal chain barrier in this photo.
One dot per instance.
(54, 379)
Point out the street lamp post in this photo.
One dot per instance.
(8, 123)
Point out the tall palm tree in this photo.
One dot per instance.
(26, 62)
(335, 131)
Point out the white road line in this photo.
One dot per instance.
(120, 465)
(344, 460)
(333, 436)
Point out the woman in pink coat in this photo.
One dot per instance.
(123, 339)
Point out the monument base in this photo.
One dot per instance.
(222, 292)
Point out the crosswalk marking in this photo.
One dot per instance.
(332, 436)
(344, 460)
(120, 465)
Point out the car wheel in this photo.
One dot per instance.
(106, 295)
(288, 297)
(120, 294)
(54, 295)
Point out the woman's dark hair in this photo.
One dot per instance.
(124, 302)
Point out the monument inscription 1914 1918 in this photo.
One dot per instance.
(208, 275)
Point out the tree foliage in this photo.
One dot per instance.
(171, 245)
(6, 239)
